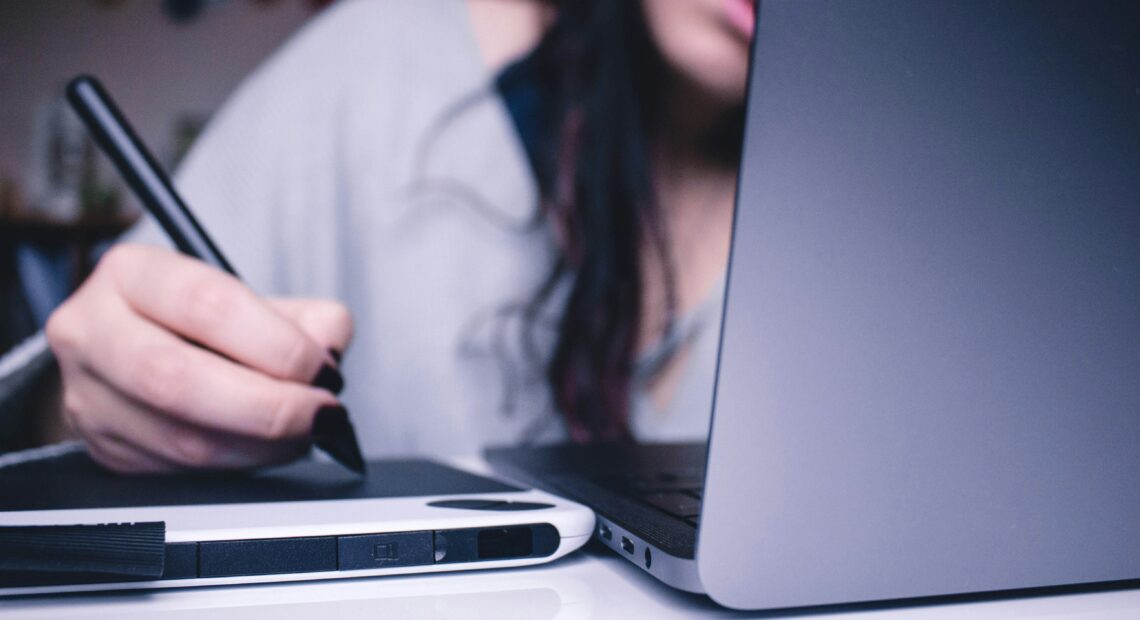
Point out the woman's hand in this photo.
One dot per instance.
(169, 364)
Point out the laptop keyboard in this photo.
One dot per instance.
(653, 491)
(675, 493)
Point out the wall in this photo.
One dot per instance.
(156, 69)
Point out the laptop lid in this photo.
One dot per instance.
(929, 380)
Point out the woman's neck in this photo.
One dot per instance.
(696, 129)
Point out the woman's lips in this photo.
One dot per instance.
(741, 15)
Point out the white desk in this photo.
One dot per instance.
(588, 584)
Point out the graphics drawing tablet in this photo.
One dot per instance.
(305, 521)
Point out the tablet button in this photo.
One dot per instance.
(519, 506)
(384, 550)
(488, 504)
(468, 504)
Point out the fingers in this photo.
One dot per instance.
(168, 375)
(214, 309)
(326, 322)
(124, 459)
(137, 440)
(148, 399)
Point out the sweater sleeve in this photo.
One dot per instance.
(24, 371)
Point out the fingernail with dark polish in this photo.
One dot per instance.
(330, 379)
(333, 433)
(336, 355)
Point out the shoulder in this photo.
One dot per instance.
(351, 70)
(402, 31)
(340, 125)
(323, 116)
(355, 38)
(397, 26)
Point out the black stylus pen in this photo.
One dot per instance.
(332, 430)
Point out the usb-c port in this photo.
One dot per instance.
(627, 545)
(604, 530)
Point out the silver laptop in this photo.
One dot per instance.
(929, 375)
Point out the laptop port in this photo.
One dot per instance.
(627, 545)
(648, 559)
(604, 531)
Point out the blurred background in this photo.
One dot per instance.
(169, 63)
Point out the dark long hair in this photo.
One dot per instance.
(600, 77)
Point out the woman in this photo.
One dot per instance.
(526, 208)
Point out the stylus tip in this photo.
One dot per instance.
(333, 433)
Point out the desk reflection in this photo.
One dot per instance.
(500, 594)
